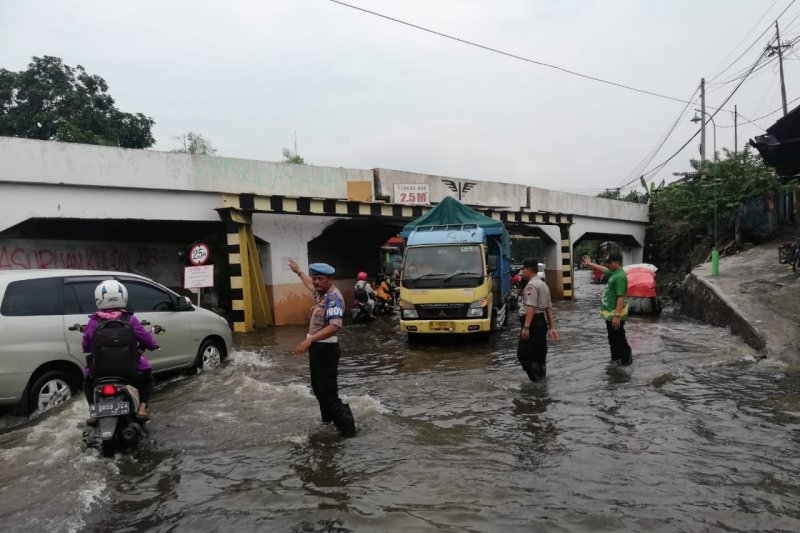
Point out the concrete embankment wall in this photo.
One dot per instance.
(702, 302)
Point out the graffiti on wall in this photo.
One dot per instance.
(155, 261)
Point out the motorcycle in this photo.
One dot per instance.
(115, 405)
(360, 312)
(384, 307)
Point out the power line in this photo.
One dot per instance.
(652, 172)
(763, 116)
(662, 141)
(513, 56)
(746, 35)
(757, 40)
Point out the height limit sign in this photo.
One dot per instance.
(199, 275)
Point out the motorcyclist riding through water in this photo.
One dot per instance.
(365, 294)
(110, 339)
(383, 292)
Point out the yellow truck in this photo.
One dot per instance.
(456, 275)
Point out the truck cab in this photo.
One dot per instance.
(453, 280)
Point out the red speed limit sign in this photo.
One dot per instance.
(199, 253)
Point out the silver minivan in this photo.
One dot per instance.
(41, 314)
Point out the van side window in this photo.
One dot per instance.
(32, 297)
(79, 297)
(144, 298)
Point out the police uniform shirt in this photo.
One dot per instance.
(536, 294)
(328, 309)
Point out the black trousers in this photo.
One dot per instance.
(323, 360)
(620, 349)
(143, 381)
(532, 354)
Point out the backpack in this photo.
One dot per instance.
(361, 292)
(115, 349)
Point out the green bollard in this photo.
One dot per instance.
(715, 262)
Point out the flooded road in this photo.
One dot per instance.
(696, 435)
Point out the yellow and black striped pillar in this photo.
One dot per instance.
(249, 303)
(235, 270)
(566, 262)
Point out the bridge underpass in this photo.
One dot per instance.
(309, 230)
(115, 188)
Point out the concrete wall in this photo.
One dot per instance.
(32, 161)
(288, 237)
(480, 193)
(589, 206)
(612, 227)
(21, 201)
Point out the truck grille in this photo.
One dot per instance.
(434, 311)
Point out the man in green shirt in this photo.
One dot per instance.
(614, 310)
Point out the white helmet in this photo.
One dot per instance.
(111, 294)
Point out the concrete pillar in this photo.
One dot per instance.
(632, 256)
(553, 261)
(288, 237)
(566, 263)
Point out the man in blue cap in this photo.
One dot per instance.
(322, 344)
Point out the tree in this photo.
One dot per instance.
(292, 157)
(683, 213)
(53, 101)
(195, 144)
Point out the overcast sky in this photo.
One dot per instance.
(364, 92)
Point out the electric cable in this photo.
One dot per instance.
(660, 144)
(746, 35)
(757, 40)
(513, 56)
(653, 171)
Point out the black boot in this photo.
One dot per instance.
(344, 421)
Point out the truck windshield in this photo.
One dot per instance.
(449, 266)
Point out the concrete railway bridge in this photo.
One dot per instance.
(65, 205)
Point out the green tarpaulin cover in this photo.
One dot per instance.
(451, 211)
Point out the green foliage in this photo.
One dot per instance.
(293, 158)
(632, 196)
(53, 101)
(682, 213)
(195, 144)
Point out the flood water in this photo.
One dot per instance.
(697, 435)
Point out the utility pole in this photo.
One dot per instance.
(703, 122)
(778, 48)
(735, 129)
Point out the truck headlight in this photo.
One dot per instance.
(478, 309)
(407, 310)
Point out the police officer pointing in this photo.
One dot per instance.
(322, 344)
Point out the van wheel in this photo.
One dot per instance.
(209, 357)
(48, 391)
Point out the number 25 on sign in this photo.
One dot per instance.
(199, 253)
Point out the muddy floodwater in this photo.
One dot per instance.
(697, 435)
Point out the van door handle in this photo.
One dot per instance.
(76, 327)
(145, 322)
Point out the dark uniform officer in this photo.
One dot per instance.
(536, 320)
(322, 343)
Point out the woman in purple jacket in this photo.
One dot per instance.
(111, 298)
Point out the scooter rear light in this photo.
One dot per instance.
(109, 390)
